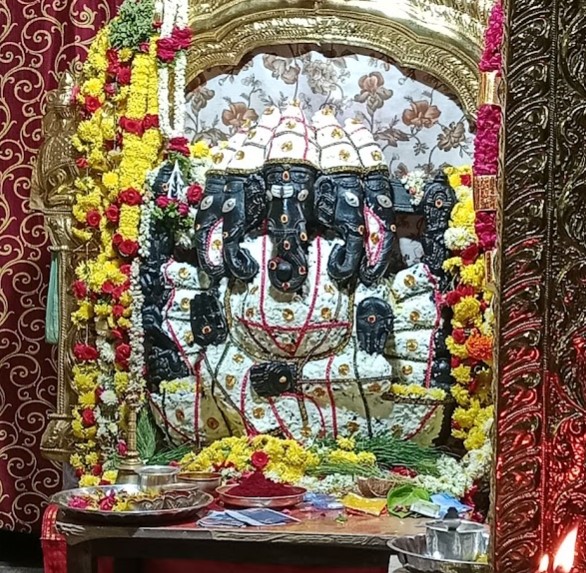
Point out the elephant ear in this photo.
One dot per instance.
(255, 199)
(325, 200)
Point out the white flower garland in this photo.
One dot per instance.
(414, 183)
(136, 337)
(175, 13)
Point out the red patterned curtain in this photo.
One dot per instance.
(38, 40)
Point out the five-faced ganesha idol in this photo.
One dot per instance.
(283, 318)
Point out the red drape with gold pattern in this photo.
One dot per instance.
(38, 40)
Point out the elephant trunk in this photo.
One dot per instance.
(344, 261)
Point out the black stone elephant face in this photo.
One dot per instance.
(380, 226)
(291, 198)
(438, 201)
(243, 210)
(209, 217)
(339, 199)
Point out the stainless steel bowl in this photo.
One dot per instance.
(153, 478)
(205, 481)
(414, 555)
(455, 539)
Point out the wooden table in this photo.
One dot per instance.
(320, 540)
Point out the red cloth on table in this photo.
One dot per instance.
(55, 559)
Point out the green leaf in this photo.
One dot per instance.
(146, 435)
(400, 499)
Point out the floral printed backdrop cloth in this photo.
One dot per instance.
(415, 121)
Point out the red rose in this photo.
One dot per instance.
(125, 269)
(466, 180)
(469, 254)
(194, 194)
(183, 209)
(85, 352)
(97, 470)
(166, 49)
(113, 61)
(459, 335)
(132, 125)
(453, 297)
(130, 197)
(179, 145)
(181, 38)
(163, 201)
(82, 162)
(110, 89)
(122, 354)
(118, 310)
(259, 460)
(455, 362)
(93, 218)
(128, 248)
(79, 289)
(88, 418)
(144, 47)
(92, 104)
(120, 290)
(117, 333)
(113, 213)
(117, 239)
(123, 75)
(404, 471)
(122, 448)
(150, 120)
(108, 287)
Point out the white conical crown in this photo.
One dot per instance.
(336, 152)
(251, 155)
(293, 140)
(371, 155)
(223, 153)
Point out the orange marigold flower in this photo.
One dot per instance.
(480, 347)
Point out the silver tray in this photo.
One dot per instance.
(174, 504)
(278, 502)
(412, 553)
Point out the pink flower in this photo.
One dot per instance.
(93, 218)
(130, 197)
(78, 502)
(122, 448)
(487, 140)
(122, 353)
(92, 104)
(134, 126)
(144, 47)
(259, 460)
(183, 209)
(107, 503)
(163, 201)
(79, 289)
(113, 61)
(85, 352)
(124, 75)
(113, 213)
(166, 49)
(88, 418)
(491, 60)
(81, 162)
(128, 248)
(150, 120)
(110, 89)
(181, 38)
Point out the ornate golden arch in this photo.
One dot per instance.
(440, 37)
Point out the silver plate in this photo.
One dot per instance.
(170, 506)
(278, 502)
(412, 552)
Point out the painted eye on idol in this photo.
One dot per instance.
(206, 203)
(384, 201)
(228, 205)
(351, 199)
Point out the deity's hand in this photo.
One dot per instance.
(374, 323)
(208, 323)
(273, 378)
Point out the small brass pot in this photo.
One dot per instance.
(204, 481)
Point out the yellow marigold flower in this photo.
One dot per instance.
(199, 149)
(89, 131)
(125, 54)
(452, 264)
(473, 274)
(120, 382)
(88, 480)
(103, 309)
(466, 311)
(75, 460)
(111, 476)
(463, 214)
(454, 180)
(78, 145)
(110, 180)
(77, 428)
(124, 322)
(346, 443)
(461, 395)
(462, 374)
(91, 459)
(475, 439)
(87, 399)
(92, 87)
(108, 128)
(456, 349)
(126, 299)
